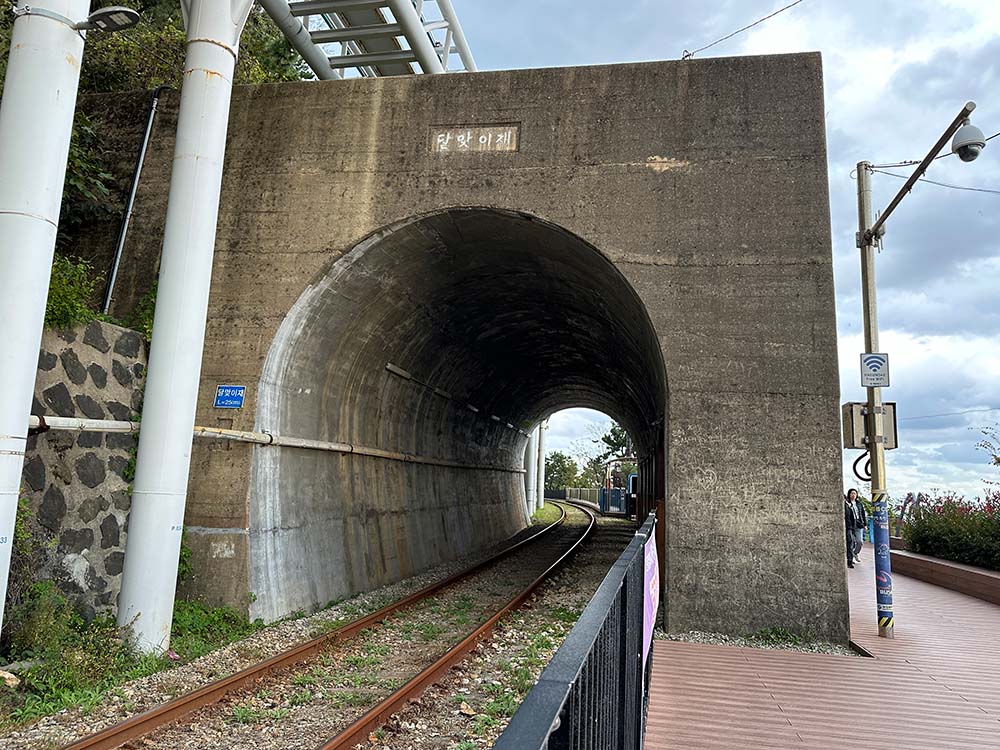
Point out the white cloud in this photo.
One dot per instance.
(571, 430)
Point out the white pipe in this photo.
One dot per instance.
(416, 35)
(531, 471)
(77, 424)
(298, 36)
(164, 458)
(109, 292)
(36, 119)
(540, 496)
(464, 51)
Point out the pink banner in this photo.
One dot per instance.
(651, 596)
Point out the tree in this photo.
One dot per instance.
(617, 443)
(592, 476)
(991, 445)
(145, 56)
(560, 471)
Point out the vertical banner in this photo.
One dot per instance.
(651, 596)
(883, 567)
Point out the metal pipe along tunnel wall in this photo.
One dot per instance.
(491, 309)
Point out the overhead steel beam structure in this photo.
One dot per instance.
(298, 36)
(368, 39)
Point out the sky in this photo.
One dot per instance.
(895, 76)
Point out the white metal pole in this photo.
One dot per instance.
(455, 26)
(540, 496)
(161, 476)
(874, 425)
(36, 120)
(530, 471)
(413, 28)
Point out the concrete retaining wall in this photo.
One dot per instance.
(78, 483)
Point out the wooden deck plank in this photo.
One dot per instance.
(937, 683)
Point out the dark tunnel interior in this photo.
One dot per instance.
(447, 336)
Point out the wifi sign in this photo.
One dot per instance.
(874, 370)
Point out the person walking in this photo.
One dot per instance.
(861, 521)
(850, 525)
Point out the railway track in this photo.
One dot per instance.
(335, 690)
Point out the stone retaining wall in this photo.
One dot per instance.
(78, 483)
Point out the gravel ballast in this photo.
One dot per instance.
(143, 694)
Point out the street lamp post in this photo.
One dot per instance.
(968, 143)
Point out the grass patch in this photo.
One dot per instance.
(565, 615)
(548, 513)
(198, 628)
(429, 631)
(483, 723)
(349, 699)
(245, 713)
(779, 637)
(80, 662)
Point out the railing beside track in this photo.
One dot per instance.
(592, 695)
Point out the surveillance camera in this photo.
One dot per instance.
(968, 142)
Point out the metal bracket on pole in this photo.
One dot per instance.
(27, 10)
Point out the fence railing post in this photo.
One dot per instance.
(592, 693)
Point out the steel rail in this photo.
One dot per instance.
(357, 733)
(159, 716)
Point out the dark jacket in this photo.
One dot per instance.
(859, 513)
(850, 516)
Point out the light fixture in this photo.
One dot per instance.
(113, 18)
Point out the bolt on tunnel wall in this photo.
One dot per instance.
(446, 336)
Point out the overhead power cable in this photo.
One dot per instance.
(913, 162)
(688, 55)
(940, 184)
(950, 414)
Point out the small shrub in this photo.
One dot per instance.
(185, 563)
(71, 289)
(198, 628)
(77, 662)
(142, 316)
(952, 528)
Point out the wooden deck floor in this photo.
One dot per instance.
(936, 686)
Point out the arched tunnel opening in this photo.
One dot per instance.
(442, 338)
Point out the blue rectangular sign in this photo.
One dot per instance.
(229, 396)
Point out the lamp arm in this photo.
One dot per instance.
(962, 116)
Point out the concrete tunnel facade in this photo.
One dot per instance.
(656, 245)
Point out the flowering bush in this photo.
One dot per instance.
(956, 529)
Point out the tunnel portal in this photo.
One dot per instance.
(446, 336)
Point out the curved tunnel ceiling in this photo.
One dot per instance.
(498, 309)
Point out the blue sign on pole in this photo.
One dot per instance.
(883, 563)
(230, 396)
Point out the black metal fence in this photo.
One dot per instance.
(592, 695)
